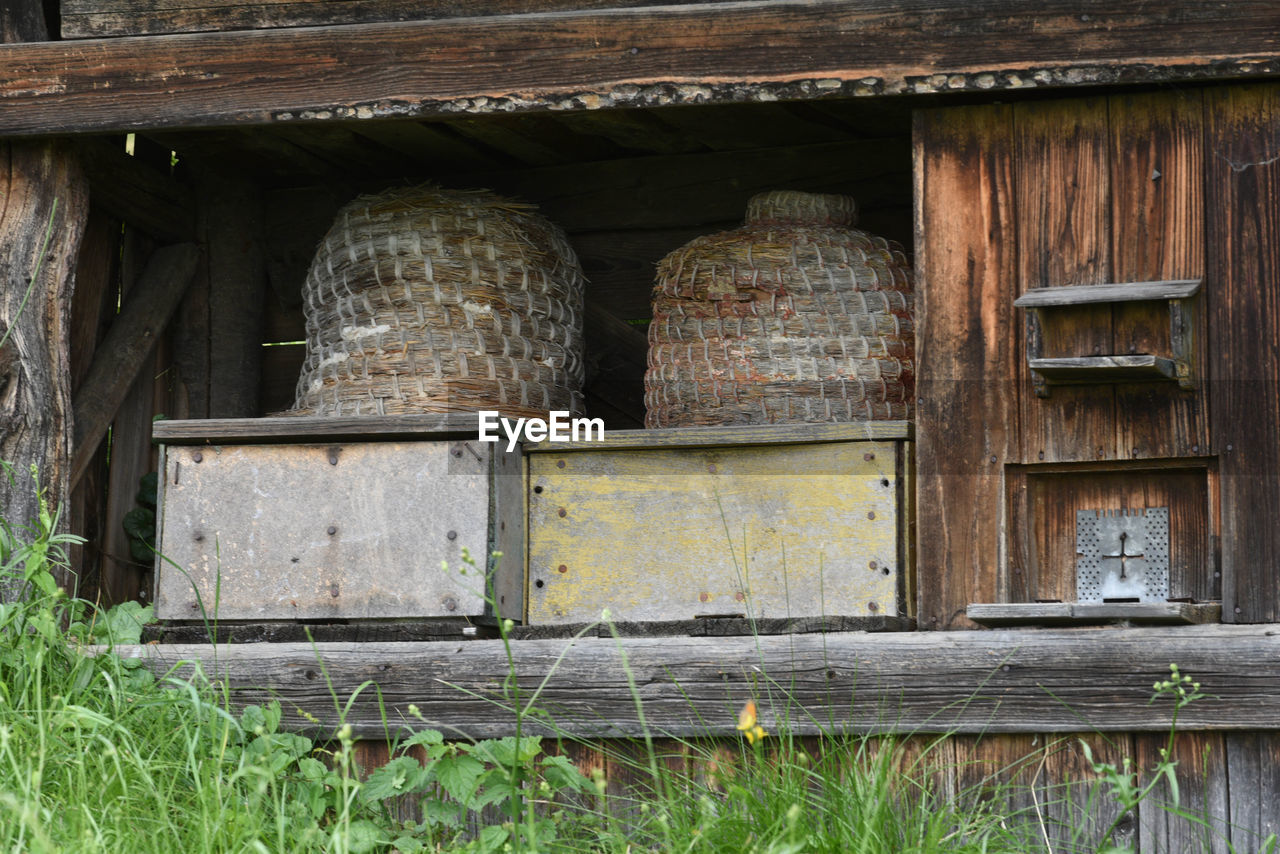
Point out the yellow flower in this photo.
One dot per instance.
(748, 725)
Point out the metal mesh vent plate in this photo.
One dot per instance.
(1122, 554)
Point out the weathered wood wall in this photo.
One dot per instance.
(1112, 189)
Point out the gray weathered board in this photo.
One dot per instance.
(781, 530)
(337, 531)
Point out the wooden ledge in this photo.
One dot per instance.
(652, 56)
(1052, 680)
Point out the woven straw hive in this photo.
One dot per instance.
(796, 316)
(428, 300)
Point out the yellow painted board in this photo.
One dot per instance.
(668, 534)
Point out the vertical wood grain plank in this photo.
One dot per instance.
(1202, 792)
(967, 414)
(1076, 807)
(999, 774)
(1063, 200)
(123, 577)
(92, 305)
(1253, 774)
(1243, 181)
(1158, 233)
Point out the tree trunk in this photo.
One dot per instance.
(44, 201)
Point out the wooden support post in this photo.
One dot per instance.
(43, 206)
(231, 221)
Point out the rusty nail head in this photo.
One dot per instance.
(197, 457)
(704, 597)
(740, 596)
(873, 565)
(871, 514)
(333, 458)
(1040, 455)
(993, 458)
(561, 512)
(333, 590)
(868, 457)
(562, 568)
(872, 606)
(333, 529)
(450, 604)
(559, 464)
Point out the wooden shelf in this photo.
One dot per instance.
(1098, 294)
(1044, 303)
(1087, 613)
(1091, 370)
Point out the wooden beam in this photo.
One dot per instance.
(129, 189)
(971, 682)
(129, 341)
(625, 57)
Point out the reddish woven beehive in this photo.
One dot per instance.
(794, 317)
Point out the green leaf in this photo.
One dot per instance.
(422, 738)
(491, 838)
(459, 774)
(398, 777)
(560, 774)
(140, 523)
(364, 836)
(407, 845)
(253, 720)
(312, 769)
(438, 813)
(148, 486)
(508, 751)
(123, 623)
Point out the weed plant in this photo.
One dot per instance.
(99, 755)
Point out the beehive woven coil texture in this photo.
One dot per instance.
(429, 300)
(797, 316)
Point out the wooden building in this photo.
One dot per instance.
(1028, 153)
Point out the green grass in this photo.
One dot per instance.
(98, 755)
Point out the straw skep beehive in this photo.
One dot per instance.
(794, 317)
(428, 300)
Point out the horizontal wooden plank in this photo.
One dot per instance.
(465, 425)
(1093, 294)
(728, 626)
(707, 437)
(1083, 613)
(1097, 370)
(626, 57)
(304, 428)
(1050, 680)
(89, 18)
